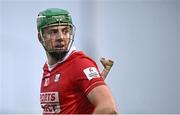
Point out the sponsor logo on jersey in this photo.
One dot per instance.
(50, 102)
(46, 83)
(56, 79)
(91, 72)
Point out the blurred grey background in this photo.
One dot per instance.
(141, 36)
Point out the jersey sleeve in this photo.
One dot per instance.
(87, 75)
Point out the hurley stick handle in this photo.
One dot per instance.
(107, 64)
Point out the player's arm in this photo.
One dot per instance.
(103, 100)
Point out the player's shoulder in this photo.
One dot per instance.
(80, 54)
(80, 57)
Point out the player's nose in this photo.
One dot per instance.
(59, 39)
(59, 36)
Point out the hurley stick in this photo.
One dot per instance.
(107, 64)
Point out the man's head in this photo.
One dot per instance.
(55, 31)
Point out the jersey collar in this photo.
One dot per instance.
(50, 67)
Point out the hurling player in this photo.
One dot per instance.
(71, 82)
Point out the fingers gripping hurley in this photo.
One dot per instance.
(107, 64)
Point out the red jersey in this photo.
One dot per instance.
(65, 87)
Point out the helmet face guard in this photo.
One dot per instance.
(49, 44)
(54, 17)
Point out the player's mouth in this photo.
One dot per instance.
(60, 47)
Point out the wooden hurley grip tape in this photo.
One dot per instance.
(107, 64)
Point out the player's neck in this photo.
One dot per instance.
(51, 60)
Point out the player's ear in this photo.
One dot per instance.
(39, 37)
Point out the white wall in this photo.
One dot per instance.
(142, 36)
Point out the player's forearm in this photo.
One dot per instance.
(101, 109)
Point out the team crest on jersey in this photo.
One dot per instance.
(56, 78)
(46, 83)
(91, 72)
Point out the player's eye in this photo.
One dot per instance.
(66, 31)
(52, 32)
